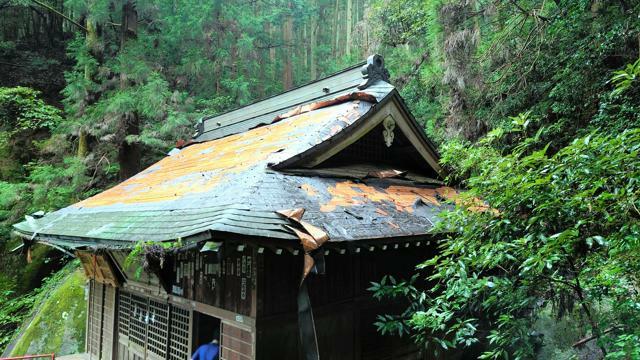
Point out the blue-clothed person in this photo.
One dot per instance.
(209, 351)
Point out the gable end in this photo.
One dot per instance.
(392, 120)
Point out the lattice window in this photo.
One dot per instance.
(370, 147)
(179, 334)
(124, 312)
(158, 329)
(139, 319)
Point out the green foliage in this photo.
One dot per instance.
(625, 347)
(410, 32)
(390, 287)
(24, 117)
(15, 310)
(21, 109)
(470, 65)
(56, 186)
(623, 79)
(58, 326)
(34, 175)
(47, 187)
(149, 256)
(559, 233)
(562, 231)
(556, 66)
(28, 181)
(402, 21)
(559, 238)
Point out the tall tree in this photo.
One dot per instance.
(461, 39)
(313, 41)
(336, 29)
(348, 27)
(94, 48)
(287, 39)
(129, 153)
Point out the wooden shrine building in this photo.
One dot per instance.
(264, 231)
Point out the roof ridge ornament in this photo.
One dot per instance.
(199, 126)
(373, 71)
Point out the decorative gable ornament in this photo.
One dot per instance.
(389, 126)
(373, 71)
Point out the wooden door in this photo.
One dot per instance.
(100, 321)
(108, 322)
(151, 329)
(94, 323)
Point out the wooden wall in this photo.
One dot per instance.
(100, 321)
(219, 285)
(344, 309)
(263, 287)
(227, 282)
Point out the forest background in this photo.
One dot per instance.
(534, 105)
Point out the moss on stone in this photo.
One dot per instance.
(59, 322)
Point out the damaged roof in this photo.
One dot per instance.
(237, 183)
(265, 111)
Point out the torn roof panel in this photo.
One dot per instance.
(369, 208)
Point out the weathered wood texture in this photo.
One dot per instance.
(344, 309)
(152, 328)
(100, 321)
(131, 273)
(98, 267)
(94, 323)
(108, 322)
(265, 287)
(228, 283)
